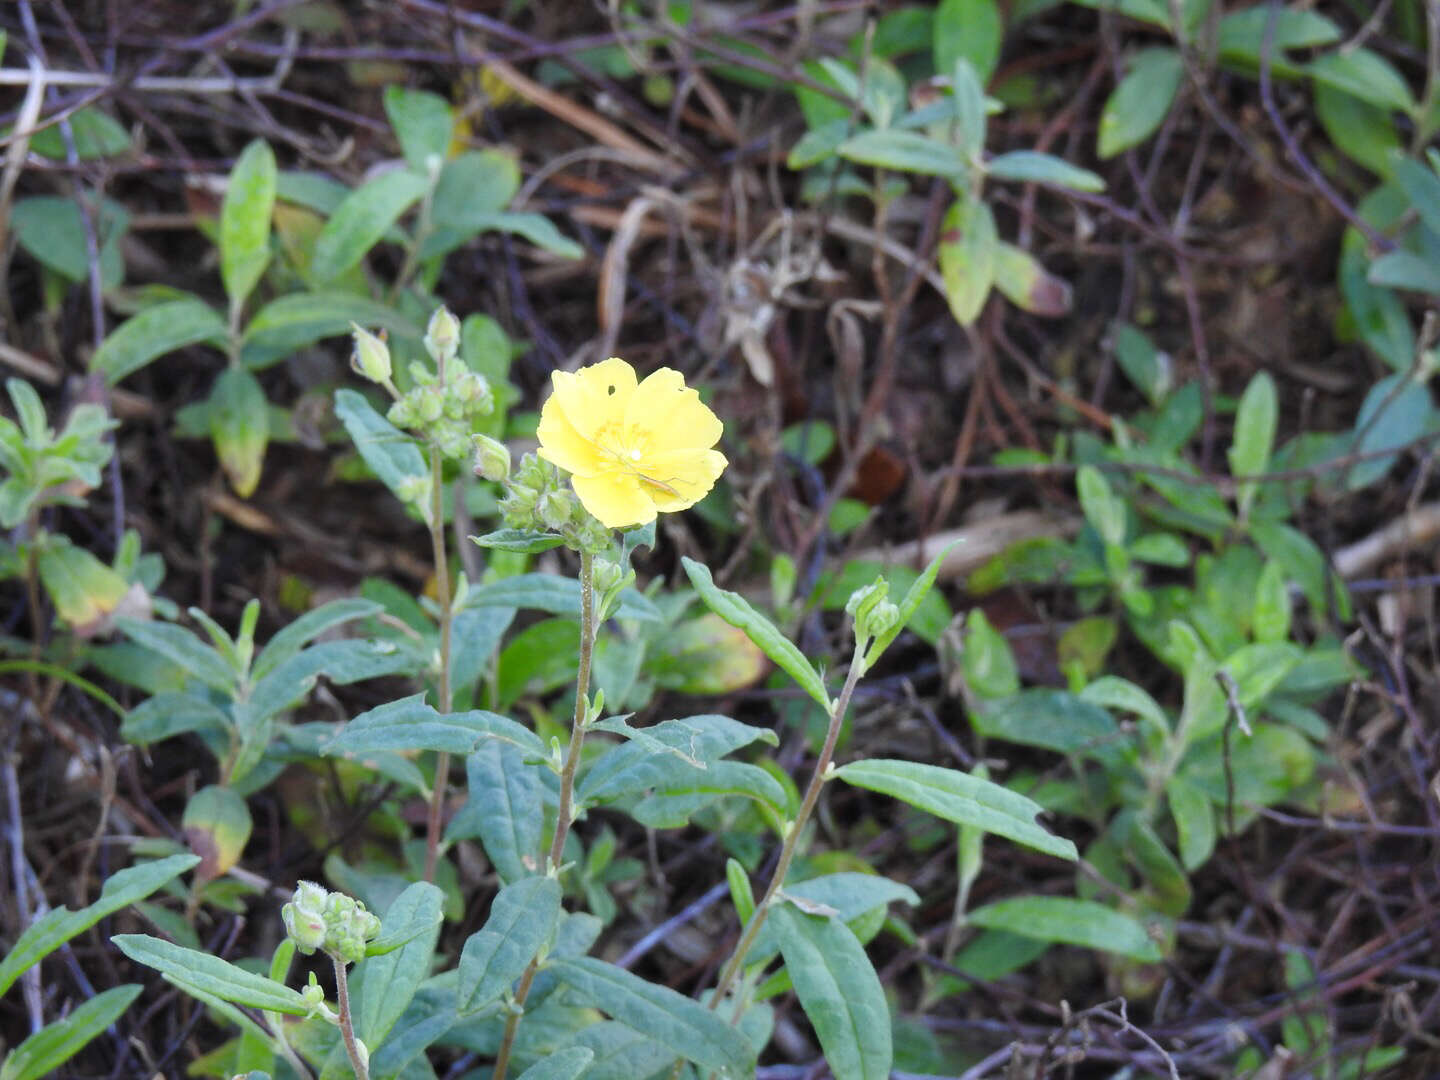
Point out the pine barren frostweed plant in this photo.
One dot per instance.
(633, 449)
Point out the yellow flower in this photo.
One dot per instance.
(632, 449)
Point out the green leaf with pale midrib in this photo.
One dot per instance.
(59, 925)
(57, 1043)
(678, 1023)
(1069, 921)
(154, 332)
(410, 724)
(212, 974)
(839, 991)
(521, 923)
(736, 610)
(958, 797)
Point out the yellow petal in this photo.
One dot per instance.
(689, 474)
(672, 413)
(562, 445)
(616, 499)
(595, 397)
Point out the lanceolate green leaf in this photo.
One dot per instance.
(680, 1024)
(1139, 103)
(505, 808)
(189, 967)
(1255, 421)
(410, 724)
(286, 325)
(1364, 74)
(555, 594)
(57, 1043)
(154, 332)
(1031, 167)
(968, 248)
(60, 924)
(289, 641)
(245, 220)
(903, 151)
(736, 610)
(384, 985)
(362, 219)
(1071, 921)
(404, 922)
(519, 540)
(240, 427)
(183, 648)
(839, 991)
(567, 1064)
(422, 122)
(670, 754)
(391, 454)
(521, 923)
(958, 797)
(971, 29)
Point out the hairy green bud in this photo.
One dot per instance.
(304, 916)
(371, 357)
(442, 336)
(492, 458)
(555, 509)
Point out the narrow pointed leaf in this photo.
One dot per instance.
(958, 797)
(59, 925)
(383, 985)
(410, 724)
(57, 1043)
(505, 808)
(189, 967)
(522, 921)
(154, 332)
(1069, 921)
(362, 219)
(245, 220)
(680, 1024)
(839, 991)
(736, 610)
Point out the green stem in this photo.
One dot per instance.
(359, 1059)
(55, 671)
(567, 791)
(442, 596)
(838, 708)
(417, 240)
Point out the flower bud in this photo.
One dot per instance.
(492, 458)
(607, 575)
(402, 413)
(414, 488)
(313, 993)
(304, 917)
(873, 613)
(883, 617)
(442, 336)
(555, 509)
(371, 357)
(863, 599)
(429, 403)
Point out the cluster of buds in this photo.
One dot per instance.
(539, 500)
(444, 404)
(872, 612)
(332, 922)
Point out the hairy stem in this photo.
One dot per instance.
(838, 708)
(359, 1059)
(567, 790)
(442, 597)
